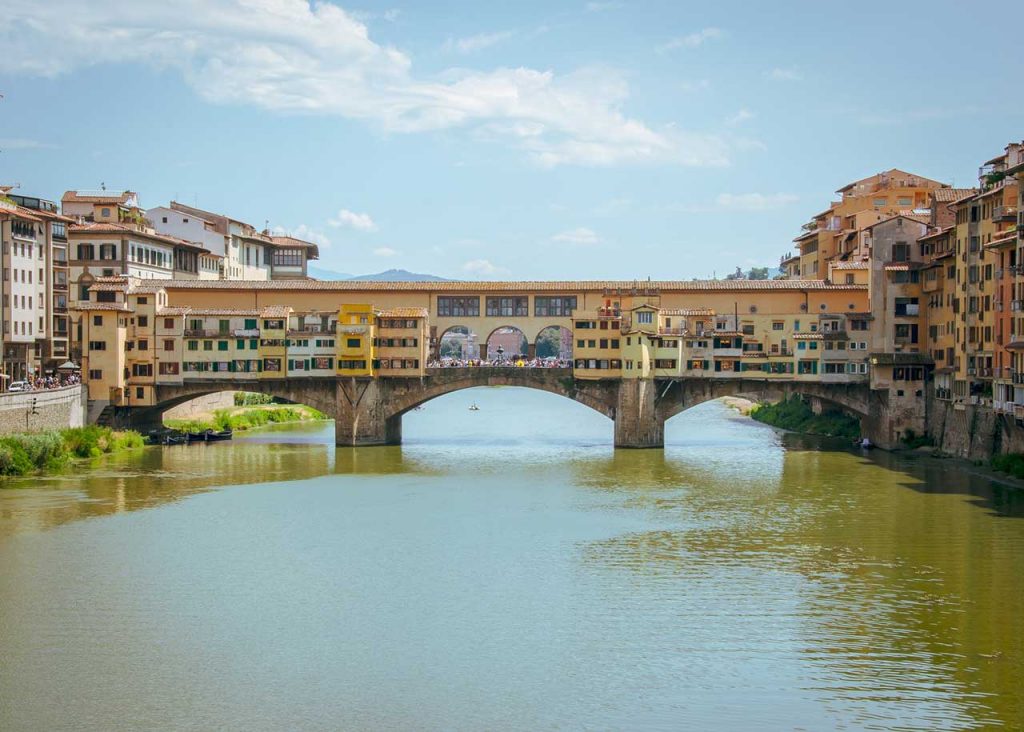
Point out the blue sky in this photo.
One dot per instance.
(525, 140)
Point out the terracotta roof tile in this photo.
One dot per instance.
(949, 195)
(96, 197)
(850, 265)
(566, 287)
(403, 313)
(276, 311)
(89, 306)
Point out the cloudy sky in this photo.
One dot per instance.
(525, 140)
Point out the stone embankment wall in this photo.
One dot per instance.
(973, 432)
(206, 404)
(55, 409)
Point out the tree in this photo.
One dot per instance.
(758, 273)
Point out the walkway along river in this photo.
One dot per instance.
(507, 569)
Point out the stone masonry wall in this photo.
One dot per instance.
(55, 409)
(202, 404)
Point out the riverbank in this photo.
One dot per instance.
(795, 415)
(243, 418)
(25, 454)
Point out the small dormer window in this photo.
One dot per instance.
(105, 212)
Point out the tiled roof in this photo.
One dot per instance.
(849, 265)
(403, 313)
(567, 287)
(117, 306)
(173, 311)
(808, 336)
(99, 286)
(221, 311)
(123, 229)
(1005, 237)
(19, 212)
(95, 197)
(949, 195)
(276, 311)
(688, 311)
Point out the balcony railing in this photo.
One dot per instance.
(204, 333)
(246, 332)
(1004, 213)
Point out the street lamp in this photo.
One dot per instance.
(501, 352)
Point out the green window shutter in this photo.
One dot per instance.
(253, 344)
(222, 345)
(250, 324)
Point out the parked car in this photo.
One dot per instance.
(18, 386)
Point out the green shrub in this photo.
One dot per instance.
(794, 414)
(250, 399)
(1012, 463)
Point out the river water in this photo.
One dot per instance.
(506, 569)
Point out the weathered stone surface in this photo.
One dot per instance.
(55, 409)
(369, 411)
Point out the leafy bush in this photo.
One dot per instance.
(1012, 463)
(794, 414)
(248, 419)
(250, 399)
(28, 453)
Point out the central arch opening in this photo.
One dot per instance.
(505, 416)
(507, 344)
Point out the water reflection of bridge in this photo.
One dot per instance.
(369, 411)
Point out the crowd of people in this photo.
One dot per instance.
(519, 362)
(40, 383)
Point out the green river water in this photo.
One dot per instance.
(505, 569)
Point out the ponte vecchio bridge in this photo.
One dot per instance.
(642, 351)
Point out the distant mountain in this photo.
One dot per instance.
(399, 275)
(327, 274)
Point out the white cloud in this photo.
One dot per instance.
(22, 143)
(580, 236)
(778, 74)
(692, 40)
(352, 220)
(293, 56)
(739, 118)
(384, 252)
(481, 268)
(304, 232)
(755, 201)
(479, 42)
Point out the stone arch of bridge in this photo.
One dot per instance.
(319, 393)
(599, 396)
(852, 399)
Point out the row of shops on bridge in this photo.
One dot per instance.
(133, 341)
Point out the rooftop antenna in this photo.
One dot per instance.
(103, 185)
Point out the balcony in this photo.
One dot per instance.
(203, 333)
(911, 310)
(1004, 213)
(246, 332)
(1016, 305)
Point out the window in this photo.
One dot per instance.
(508, 306)
(143, 345)
(168, 345)
(286, 258)
(222, 345)
(169, 323)
(143, 321)
(645, 316)
(458, 307)
(193, 345)
(353, 342)
(142, 369)
(271, 364)
(97, 345)
(559, 306)
(207, 345)
(86, 251)
(96, 374)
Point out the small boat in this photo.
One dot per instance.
(865, 444)
(474, 408)
(166, 437)
(209, 436)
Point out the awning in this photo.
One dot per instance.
(68, 366)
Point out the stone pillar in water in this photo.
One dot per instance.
(637, 423)
(361, 417)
